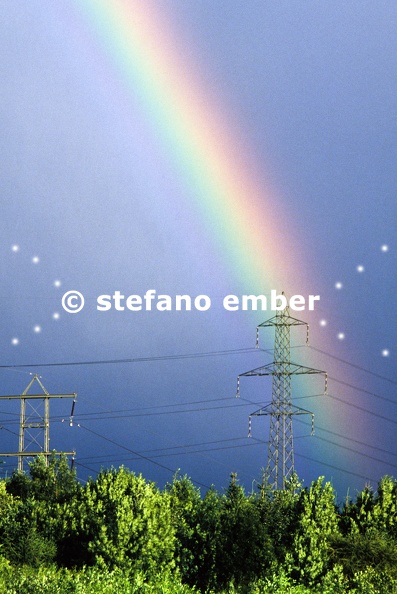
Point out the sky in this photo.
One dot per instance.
(204, 149)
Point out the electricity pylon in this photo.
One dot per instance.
(34, 423)
(280, 460)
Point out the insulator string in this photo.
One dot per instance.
(238, 387)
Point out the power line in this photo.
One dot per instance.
(143, 414)
(329, 465)
(357, 407)
(192, 356)
(192, 445)
(145, 408)
(169, 454)
(227, 352)
(354, 365)
(109, 415)
(362, 390)
(349, 472)
(347, 448)
(367, 445)
(9, 430)
(133, 360)
(173, 470)
(211, 354)
(198, 451)
(141, 455)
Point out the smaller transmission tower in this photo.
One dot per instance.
(280, 460)
(34, 423)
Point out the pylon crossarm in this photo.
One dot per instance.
(296, 410)
(282, 321)
(262, 370)
(37, 396)
(33, 454)
(279, 321)
(302, 370)
(264, 410)
(281, 368)
(271, 409)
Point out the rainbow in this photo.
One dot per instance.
(241, 213)
(243, 218)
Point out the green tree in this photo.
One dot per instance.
(244, 547)
(385, 506)
(51, 483)
(280, 512)
(21, 540)
(45, 493)
(185, 503)
(358, 552)
(196, 523)
(124, 522)
(357, 517)
(368, 542)
(310, 559)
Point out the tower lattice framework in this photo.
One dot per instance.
(34, 424)
(280, 459)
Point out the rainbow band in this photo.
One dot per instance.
(243, 218)
(240, 212)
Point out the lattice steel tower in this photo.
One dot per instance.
(34, 424)
(280, 460)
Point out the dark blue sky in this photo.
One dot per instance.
(84, 188)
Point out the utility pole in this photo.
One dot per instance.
(34, 424)
(280, 460)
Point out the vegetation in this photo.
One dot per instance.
(121, 534)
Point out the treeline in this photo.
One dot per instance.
(120, 533)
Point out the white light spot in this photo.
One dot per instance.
(35, 259)
(360, 268)
(385, 353)
(323, 322)
(37, 329)
(341, 336)
(15, 341)
(338, 285)
(57, 283)
(15, 248)
(384, 248)
(56, 315)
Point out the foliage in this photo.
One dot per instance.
(125, 521)
(198, 531)
(358, 552)
(245, 550)
(186, 503)
(309, 559)
(120, 533)
(50, 580)
(54, 483)
(280, 512)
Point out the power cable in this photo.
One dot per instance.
(367, 445)
(354, 365)
(326, 464)
(135, 453)
(133, 360)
